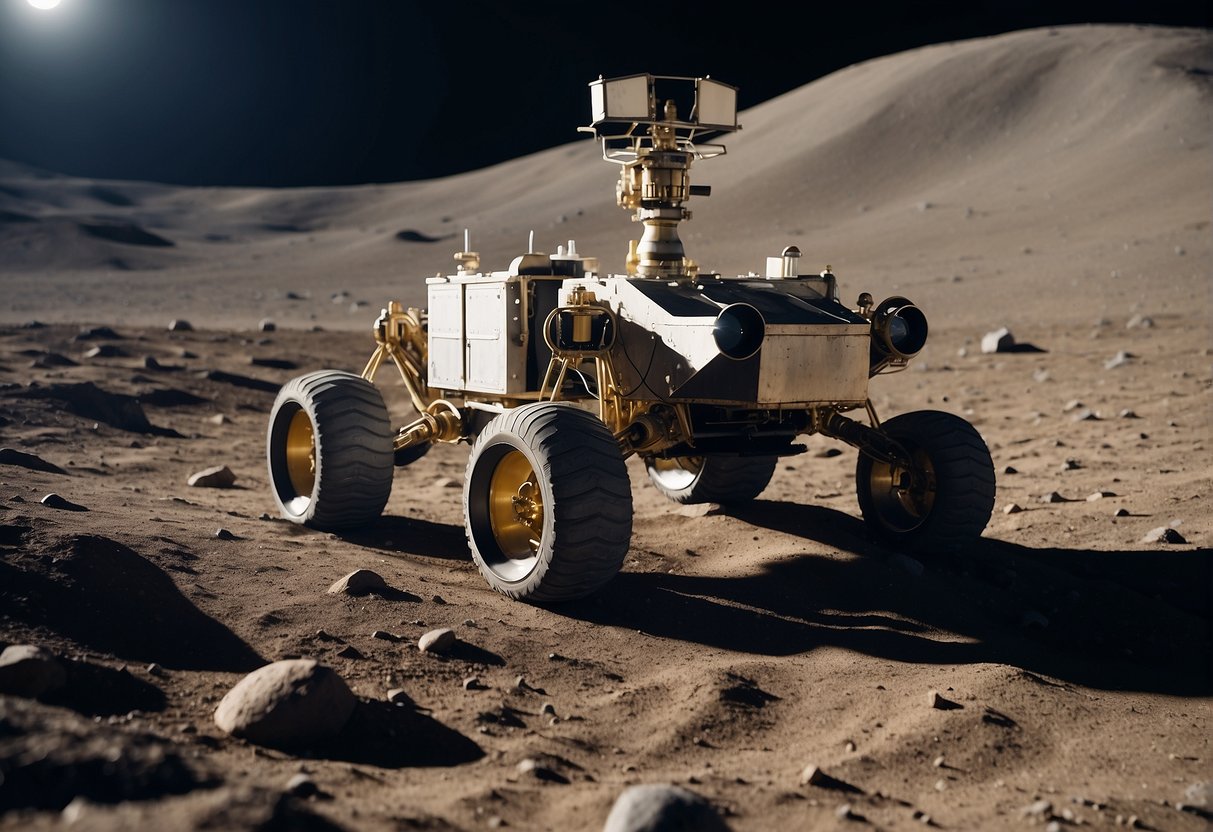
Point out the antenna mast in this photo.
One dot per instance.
(655, 148)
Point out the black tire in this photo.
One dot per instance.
(711, 479)
(562, 534)
(329, 448)
(947, 503)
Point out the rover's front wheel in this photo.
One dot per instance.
(940, 503)
(329, 449)
(547, 503)
(711, 479)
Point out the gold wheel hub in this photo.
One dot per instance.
(301, 454)
(516, 507)
(905, 497)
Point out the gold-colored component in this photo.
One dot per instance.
(400, 335)
(516, 506)
(581, 328)
(904, 496)
(301, 454)
(633, 260)
(440, 422)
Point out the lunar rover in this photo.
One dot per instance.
(555, 373)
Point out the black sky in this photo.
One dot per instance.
(317, 92)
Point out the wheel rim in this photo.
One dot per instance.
(300, 460)
(515, 508)
(904, 497)
(677, 472)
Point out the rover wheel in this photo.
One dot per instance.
(329, 449)
(711, 479)
(943, 505)
(547, 503)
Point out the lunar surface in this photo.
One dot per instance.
(769, 658)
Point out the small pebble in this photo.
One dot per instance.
(1163, 534)
(224, 534)
(473, 683)
(437, 641)
(547, 709)
(301, 786)
(267, 325)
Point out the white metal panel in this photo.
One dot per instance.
(445, 336)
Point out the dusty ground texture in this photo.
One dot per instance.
(1054, 182)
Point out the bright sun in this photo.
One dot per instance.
(44, 4)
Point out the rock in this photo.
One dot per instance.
(398, 696)
(224, 534)
(1121, 512)
(385, 635)
(534, 768)
(698, 509)
(1128, 414)
(661, 807)
(302, 786)
(1000, 340)
(1119, 360)
(53, 500)
(1099, 495)
(105, 351)
(30, 671)
(1054, 497)
(1013, 508)
(1140, 321)
(266, 325)
(219, 476)
(350, 652)
(11, 456)
(180, 325)
(938, 701)
(358, 582)
(219, 419)
(547, 709)
(1039, 809)
(1199, 793)
(1071, 465)
(813, 775)
(1010, 470)
(474, 683)
(1163, 534)
(437, 599)
(154, 669)
(290, 703)
(437, 641)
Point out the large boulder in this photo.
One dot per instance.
(289, 703)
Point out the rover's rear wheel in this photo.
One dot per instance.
(547, 503)
(711, 479)
(329, 449)
(944, 502)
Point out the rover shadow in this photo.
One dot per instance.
(394, 535)
(1123, 620)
